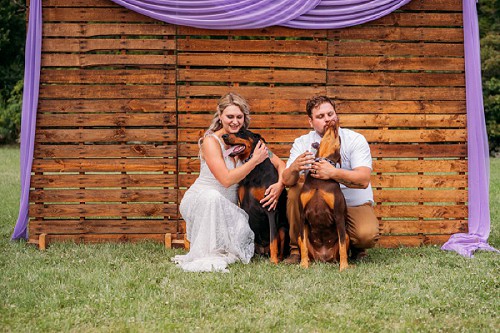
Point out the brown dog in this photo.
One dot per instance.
(323, 210)
(270, 227)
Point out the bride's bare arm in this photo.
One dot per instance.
(212, 153)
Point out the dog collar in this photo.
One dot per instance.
(247, 159)
(317, 159)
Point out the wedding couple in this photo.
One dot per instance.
(218, 229)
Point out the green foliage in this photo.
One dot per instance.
(489, 26)
(12, 40)
(10, 115)
(135, 287)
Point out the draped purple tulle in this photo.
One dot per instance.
(303, 14)
(222, 14)
(478, 153)
(28, 115)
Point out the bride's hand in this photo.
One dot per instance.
(260, 153)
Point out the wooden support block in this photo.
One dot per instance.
(187, 244)
(168, 240)
(42, 242)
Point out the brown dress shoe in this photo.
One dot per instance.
(293, 259)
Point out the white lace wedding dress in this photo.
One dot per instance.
(216, 227)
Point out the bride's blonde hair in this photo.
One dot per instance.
(224, 102)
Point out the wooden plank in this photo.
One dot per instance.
(192, 150)
(105, 165)
(394, 107)
(253, 91)
(429, 166)
(79, 3)
(115, 180)
(420, 19)
(252, 75)
(418, 150)
(398, 195)
(397, 93)
(259, 121)
(92, 45)
(96, 151)
(77, 104)
(103, 195)
(103, 210)
(120, 14)
(106, 29)
(411, 241)
(423, 227)
(257, 104)
(387, 181)
(373, 136)
(383, 63)
(424, 181)
(101, 238)
(251, 60)
(283, 105)
(443, 5)
(424, 34)
(79, 91)
(391, 48)
(395, 79)
(88, 60)
(103, 226)
(274, 31)
(109, 119)
(268, 45)
(393, 166)
(422, 211)
(121, 134)
(377, 150)
(78, 76)
(414, 135)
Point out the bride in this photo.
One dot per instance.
(216, 227)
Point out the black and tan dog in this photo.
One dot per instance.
(323, 210)
(270, 227)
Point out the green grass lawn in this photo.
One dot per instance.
(135, 288)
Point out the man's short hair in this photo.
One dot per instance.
(317, 101)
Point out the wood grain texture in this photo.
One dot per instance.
(125, 98)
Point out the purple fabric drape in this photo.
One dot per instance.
(28, 116)
(221, 14)
(303, 14)
(253, 14)
(335, 14)
(478, 153)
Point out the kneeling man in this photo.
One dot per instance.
(353, 176)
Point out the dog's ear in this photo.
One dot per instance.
(259, 137)
(256, 137)
(336, 128)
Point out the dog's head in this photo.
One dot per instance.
(243, 143)
(330, 143)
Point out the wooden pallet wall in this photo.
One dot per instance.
(124, 99)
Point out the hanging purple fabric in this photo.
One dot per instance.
(335, 14)
(222, 14)
(303, 14)
(28, 116)
(478, 153)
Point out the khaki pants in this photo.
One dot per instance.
(362, 224)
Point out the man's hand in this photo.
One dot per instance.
(303, 162)
(272, 195)
(322, 170)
